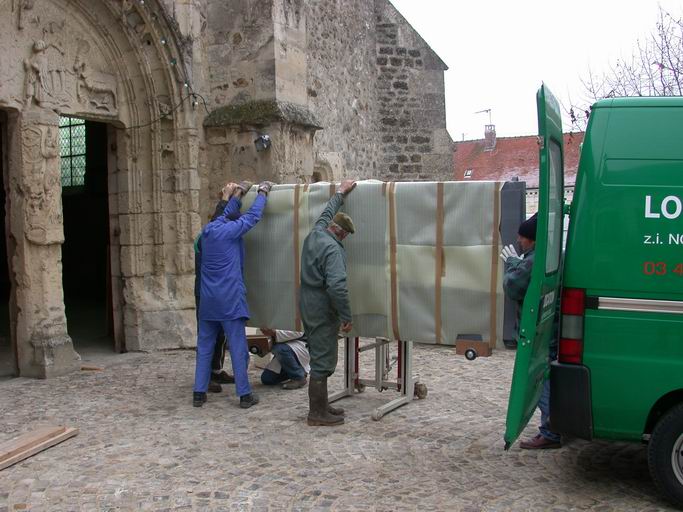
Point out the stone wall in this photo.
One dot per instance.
(377, 89)
(414, 143)
(239, 43)
(357, 67)
(341, 86)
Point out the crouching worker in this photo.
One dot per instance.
(223, 301)
(324, 302)
(290, 363)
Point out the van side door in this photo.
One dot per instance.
(538, 323)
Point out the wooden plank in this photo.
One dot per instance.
(29, 444)
(28, 440)
(90, 368)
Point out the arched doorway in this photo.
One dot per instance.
(86, 252)
(119, 64)
(8, 362)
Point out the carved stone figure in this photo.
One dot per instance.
(22, 6)
(126, 5)
(46, 81)
(93, 87)
(41, 185)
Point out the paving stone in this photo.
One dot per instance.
(142, 446)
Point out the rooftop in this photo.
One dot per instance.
(511, 157)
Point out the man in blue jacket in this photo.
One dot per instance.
(218, 374)
(223, 301)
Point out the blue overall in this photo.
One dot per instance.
(223, 295)
(233, 213)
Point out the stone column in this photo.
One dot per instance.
(43, 344)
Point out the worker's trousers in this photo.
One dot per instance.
(219, 350)
(321, 324)
(239, 353)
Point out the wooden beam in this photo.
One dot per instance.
(91, 368)
(29, 444)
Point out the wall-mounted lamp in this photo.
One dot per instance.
(262, 142)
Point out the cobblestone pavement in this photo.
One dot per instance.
(142, 446)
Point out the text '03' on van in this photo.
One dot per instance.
(619, 373)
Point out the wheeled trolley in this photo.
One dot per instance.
(406, 384)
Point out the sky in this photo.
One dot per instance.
(500, 51)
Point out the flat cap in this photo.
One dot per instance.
(344, 221)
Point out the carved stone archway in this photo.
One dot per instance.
(120, 62)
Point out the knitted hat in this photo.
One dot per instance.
(344, 221)
(527, 229)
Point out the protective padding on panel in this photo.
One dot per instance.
(416, 291)
(367, 289)
(465, 272)
(469, 228)
(465, 302)
(366, 250)
(468, 213)
(269, 262)
(416, 213)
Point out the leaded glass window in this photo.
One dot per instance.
(72, 151)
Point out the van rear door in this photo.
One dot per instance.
(537, 324)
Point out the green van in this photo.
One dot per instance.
(619, 373)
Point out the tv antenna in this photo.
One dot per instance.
(485, 111)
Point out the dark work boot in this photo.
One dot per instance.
(294, 384)
(222, 377)
(198, 398)
(318, 414)
(247, 401)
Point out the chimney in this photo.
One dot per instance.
(489, 137)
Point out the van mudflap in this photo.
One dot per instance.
(570, 400)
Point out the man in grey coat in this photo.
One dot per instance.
(324, 302)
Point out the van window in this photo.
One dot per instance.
(555, 199)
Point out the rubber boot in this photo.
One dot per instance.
(318, 414)
(336, 411)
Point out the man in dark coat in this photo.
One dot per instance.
(516, 281)
(324, 302)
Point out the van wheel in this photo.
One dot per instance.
(665, 455)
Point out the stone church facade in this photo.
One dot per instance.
(180, 91)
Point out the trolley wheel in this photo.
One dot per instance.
(376, 415)
(360, 388)
(470, 354)
(420, 390)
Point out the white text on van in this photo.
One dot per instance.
(668, 204)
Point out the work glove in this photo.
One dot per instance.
(265, 186)
(509, 251)
(244, 186)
